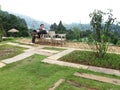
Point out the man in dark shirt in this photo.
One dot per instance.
(34, 35)
(41, 30)
(39, 33)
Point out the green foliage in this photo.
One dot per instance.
(114, 38)
(10, 21)
(10, 39)
(2, 32)
(96, 23)
(70, 34)
(85, 33)
(76, 32)
(101, 30)
(90, 58)
(60, 28)
(118, 43)
(0, 37)
(54, 27)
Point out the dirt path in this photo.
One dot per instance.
(79, 45)
(86, 46)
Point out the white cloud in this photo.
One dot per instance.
(55, 10)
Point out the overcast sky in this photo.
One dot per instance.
(68, 11)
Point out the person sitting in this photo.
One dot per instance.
(34, 36)
(39, 33)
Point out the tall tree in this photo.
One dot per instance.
(54, 27)
(61, 28)
(70, 35)
(10, 21)
(101, 30)
(76, 33)
(2, 32)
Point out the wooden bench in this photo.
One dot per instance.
(60, 39)
(53, 38)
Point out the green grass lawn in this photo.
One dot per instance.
(8, 39)
(32, 74)
(66, 86)
(53, 48)
(8, 51)
(89, 58)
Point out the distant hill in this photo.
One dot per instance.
(80, 26)
(31, 22)
(34, 24)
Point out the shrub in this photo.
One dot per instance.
(118, 43)
(0, 37)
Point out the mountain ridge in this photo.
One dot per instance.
(34, 24)
(31, 22)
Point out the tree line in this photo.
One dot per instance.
(9, 21)
(77, 34)
(74, 33)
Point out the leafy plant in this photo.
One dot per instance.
(118, 43)
(101, 30)
(0, 37)
(110, 60)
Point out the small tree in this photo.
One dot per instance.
(101, 22)
(76, 33)
(2, 32)
(54, 27)
(61, 28)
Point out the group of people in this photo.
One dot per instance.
(38, 33)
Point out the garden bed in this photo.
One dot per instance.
(89, 58)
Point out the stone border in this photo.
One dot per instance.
(98, 78)
(30, 51)
(78, 85)
(62, 63)
(2, 64)
(17, 58)
(17, 44)
(56, 84)
(104, 70)
(61, 54)
(54, 60)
